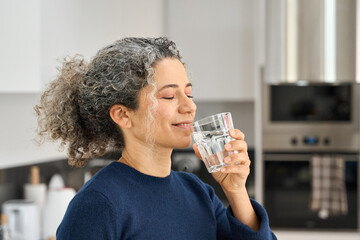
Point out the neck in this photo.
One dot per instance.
(149, 160)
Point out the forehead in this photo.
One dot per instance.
(170, 71)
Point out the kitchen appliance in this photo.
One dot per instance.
(300, 122)
(312, 41)
(23, 219)
(318, 117)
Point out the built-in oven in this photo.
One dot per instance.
(311, 145)
(288, 193)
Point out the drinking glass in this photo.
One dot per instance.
(210, 135)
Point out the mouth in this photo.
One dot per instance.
(184, 125)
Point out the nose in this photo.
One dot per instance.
(187, 105)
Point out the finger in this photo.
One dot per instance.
(196, 150)
(242, 170)
(236, 145)
(237, 134)
(238, 158)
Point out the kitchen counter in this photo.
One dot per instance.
(310, 235)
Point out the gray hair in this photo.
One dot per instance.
(75, 107)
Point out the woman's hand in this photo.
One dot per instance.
(232, 178)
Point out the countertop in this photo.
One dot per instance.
(310, 235)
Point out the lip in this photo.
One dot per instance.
(184, 125)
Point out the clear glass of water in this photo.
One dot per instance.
(210, 135)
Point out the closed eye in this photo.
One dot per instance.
(171, 98)
(168, 98)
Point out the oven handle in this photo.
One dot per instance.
(305, 156)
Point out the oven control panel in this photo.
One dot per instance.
(311, 140)
(308, 141)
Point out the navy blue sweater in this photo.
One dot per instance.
(120, 202)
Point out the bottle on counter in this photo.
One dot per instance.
(4, 229)
(36, 192)
(57, 201)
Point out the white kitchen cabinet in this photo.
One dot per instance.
(216, 39)
(19, 45)
(84, 26)
(37, 34)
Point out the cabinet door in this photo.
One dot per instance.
(36, 34)
(19, 46)
(216, 39)
(69, 27)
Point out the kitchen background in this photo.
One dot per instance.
(226, 47)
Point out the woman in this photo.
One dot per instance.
(135, 96)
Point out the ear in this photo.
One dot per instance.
(121, 115)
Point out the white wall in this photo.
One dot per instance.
(17, 132)
(216, 39)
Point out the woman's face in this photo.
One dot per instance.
(175, 109)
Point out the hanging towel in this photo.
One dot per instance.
(328, 196)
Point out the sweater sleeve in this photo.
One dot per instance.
(228, 227)
(89, 216)
(242, 231)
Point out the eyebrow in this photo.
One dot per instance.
(174, 86)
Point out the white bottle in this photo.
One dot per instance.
(4, 229)
(36, 192)
(57, 201)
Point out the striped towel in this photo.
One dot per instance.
(328, 196)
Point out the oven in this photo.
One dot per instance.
(288, 193)
(311, 143)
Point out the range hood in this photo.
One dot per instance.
(311, 41)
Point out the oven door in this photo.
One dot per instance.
(288, 189)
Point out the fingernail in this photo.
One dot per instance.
(223, 170)
(227, 159)
(232, 132)
(228, 146)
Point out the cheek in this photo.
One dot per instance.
(164, 113)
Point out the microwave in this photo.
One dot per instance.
(311, 116)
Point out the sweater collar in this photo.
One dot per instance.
(135, 174)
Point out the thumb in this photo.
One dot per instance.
(196, 150)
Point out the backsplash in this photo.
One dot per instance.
(12, 180)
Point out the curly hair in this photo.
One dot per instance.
(75, 106)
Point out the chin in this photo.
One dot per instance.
(184, 144)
